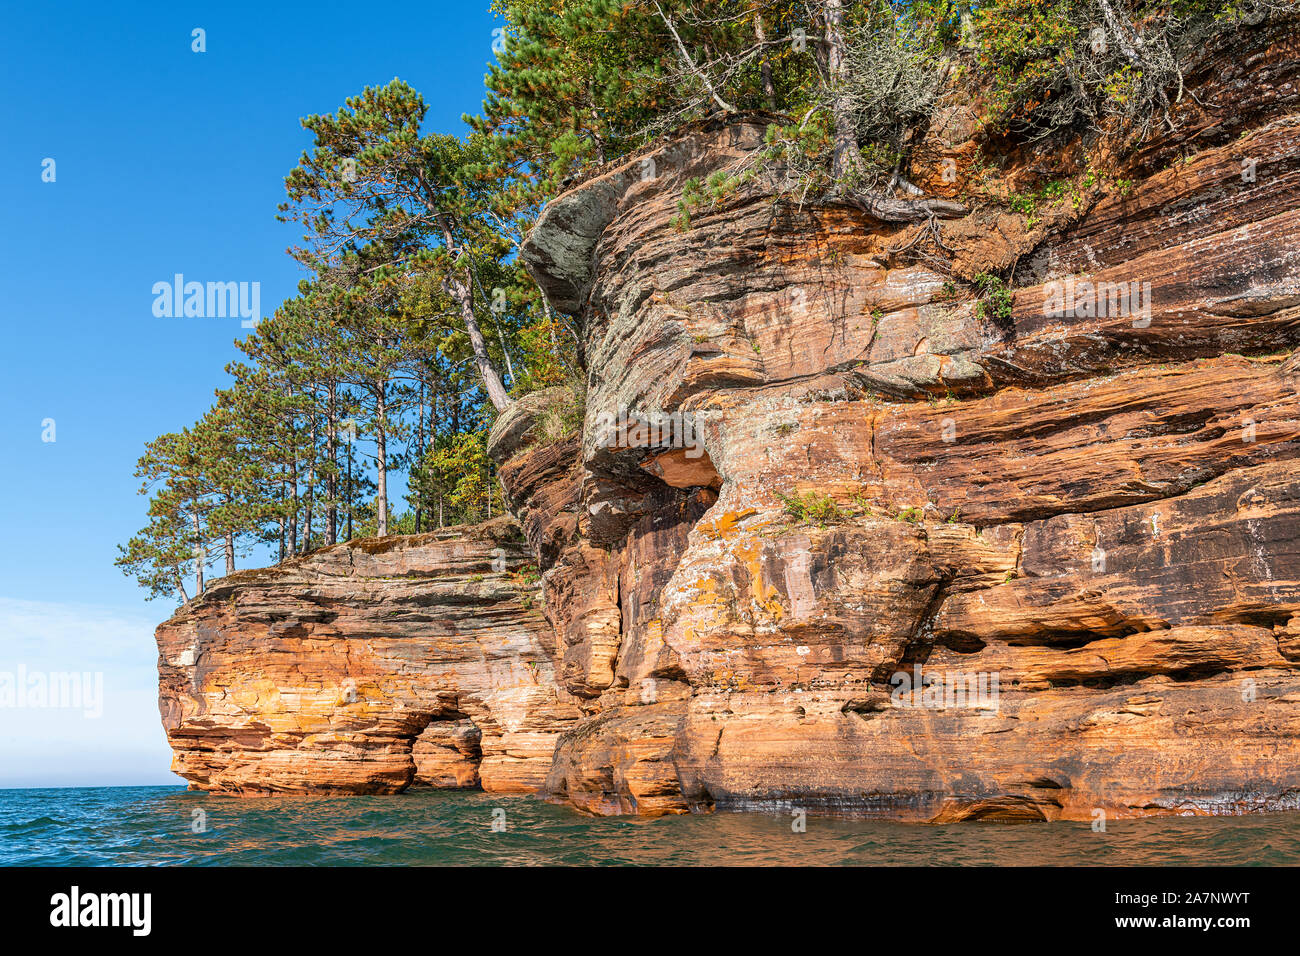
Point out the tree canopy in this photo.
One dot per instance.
(417, 325)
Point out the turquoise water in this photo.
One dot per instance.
(155, 825)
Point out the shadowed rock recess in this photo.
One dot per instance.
(1075, 530)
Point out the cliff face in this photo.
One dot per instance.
(366, 668)
(1062, 568)
(1052, 564)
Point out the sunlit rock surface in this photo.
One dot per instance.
(366, 668)
(1053, 563)
(1074, 528)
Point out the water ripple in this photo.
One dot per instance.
(149, 826)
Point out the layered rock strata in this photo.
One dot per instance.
(909, 547)
(933, 558)
(367, 667)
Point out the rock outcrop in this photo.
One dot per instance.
(880, 539)
(932, 557)
(367, 667)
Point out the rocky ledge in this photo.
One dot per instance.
(906, 550)
(367, 667)
(919, 555)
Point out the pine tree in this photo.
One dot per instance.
(373, 179)
(161, 556)
(171, 466)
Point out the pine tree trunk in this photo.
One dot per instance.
(601, 158)
(332, 479)
(765, 65)
(381, 461)
(230, 542)
(198, 556)
(501, 337)
(487, 371)
(846, 158)
(459, 290)
(293, 514)
(419, 451)
(293, 478)
(311, 493)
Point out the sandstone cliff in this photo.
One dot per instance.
(1093, 511)
(365, 668)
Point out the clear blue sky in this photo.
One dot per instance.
(167, 161)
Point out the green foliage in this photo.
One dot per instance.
(1076, 190)
(810, 506)
(161, 556)
(584, 82)
(692, 199)
(1025, 206)
(546, 359)
(719, 187)
(575, 84)
(1107, 65)
(996, 299)
(455, 482)
(911, 515)
(1023, 45)
(418, 321)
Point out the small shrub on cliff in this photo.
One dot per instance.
(692, 199)
(911, 515)
(720, 186)
(562, 421)
(995, 302)
(1026, 206)
(528, 575)
(810, 506)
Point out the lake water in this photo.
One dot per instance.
(157, 825)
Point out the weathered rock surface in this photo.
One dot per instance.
(367, 667)
(1053, 563)
(1062, 569)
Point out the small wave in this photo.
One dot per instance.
(39, 823)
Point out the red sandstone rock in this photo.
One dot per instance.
(1079, 532)
(365, 667)
(1098, 514)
